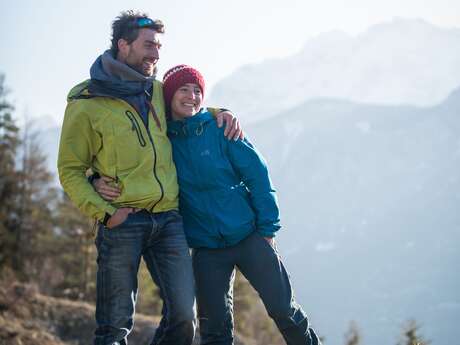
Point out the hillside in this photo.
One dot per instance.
(27, 317)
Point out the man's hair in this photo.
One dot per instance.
(124, 26)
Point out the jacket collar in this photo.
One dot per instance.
(112, 77)
(190, 126)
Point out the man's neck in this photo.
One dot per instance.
(118, 68)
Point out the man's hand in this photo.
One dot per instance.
(102, 187)
(232, 125)
(271, 241)
(119, 216)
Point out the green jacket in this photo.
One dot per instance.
(108, 136)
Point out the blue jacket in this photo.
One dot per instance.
(225, 189)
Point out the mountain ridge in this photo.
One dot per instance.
(397, 62)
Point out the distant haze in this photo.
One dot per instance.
(370, 199)
(397, 62)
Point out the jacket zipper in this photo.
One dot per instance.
(146, 125)
(207, 203)
(155, 172)
(136, 127)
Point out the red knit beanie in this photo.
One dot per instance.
(178, 76)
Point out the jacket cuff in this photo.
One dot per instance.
(106, 219)
(93, 177)
(107, 212)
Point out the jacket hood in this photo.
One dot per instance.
(79, 90)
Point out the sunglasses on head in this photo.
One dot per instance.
(143, 23)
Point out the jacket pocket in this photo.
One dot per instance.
(129, 142)
(233, 207)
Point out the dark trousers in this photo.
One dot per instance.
(159, 239)
(261, 265)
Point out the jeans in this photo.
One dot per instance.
(159, 239)
(259, 262)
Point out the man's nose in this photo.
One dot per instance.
(154, 53)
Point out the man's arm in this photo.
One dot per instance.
(233, 128)
(78, 144)
(253, 171)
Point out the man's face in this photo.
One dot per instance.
(143, 53)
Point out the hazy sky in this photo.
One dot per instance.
(48, 46)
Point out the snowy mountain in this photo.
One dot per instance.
(398, 62)
(370, 199)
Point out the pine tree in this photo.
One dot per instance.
(9, 183)
(352, 337)
(44, 239)
(410, 335)
(35, 199)
(73, 252)
(26, 197)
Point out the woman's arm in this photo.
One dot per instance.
(252, 169)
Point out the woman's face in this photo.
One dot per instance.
(186, 101)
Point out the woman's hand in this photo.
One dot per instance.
(106, 191)
(271, 241)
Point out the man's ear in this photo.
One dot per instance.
(123, 47)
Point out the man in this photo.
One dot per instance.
(115, 125)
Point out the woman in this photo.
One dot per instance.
(230, 214)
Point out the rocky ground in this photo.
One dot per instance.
(27, 317)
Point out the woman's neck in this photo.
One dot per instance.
(178, 117)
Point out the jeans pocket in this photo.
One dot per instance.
(173, 217)
(123, 223)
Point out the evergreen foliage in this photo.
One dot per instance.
(410, 334)
(9, 184)
(353, 337)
